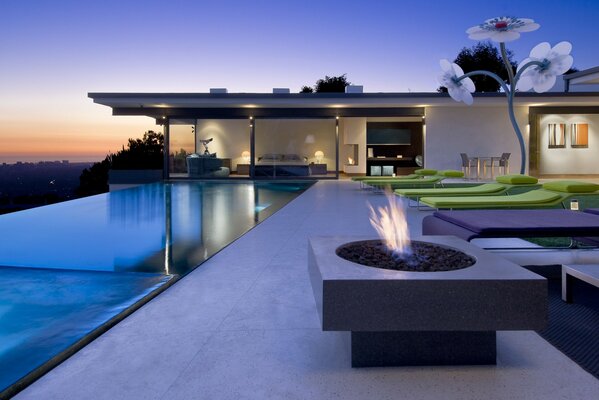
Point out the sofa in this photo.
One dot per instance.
(206, 166)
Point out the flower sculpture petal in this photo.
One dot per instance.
(554, 61)
(459, 89)
(502, 29)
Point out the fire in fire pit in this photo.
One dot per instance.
(395, 250)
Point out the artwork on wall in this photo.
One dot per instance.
(557, 135)
(579, 135)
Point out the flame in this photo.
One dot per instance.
(391, 225)
(350, 161)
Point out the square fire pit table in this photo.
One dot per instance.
(424, 318)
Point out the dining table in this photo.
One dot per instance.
(484, 161)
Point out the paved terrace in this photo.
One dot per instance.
(244, 326)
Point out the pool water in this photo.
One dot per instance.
(68, 268)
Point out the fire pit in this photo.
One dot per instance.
(424, 318)
(438, 312)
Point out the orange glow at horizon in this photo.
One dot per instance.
(42, 139)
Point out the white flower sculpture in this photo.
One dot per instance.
(459, 90)
(538, 71)
(555, 61)
(502, 29)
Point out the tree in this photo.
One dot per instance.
(145, 153)
(330, 84)
(94, 180)
(483, 56)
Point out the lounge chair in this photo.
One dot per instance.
(476, 224)
(419, 173)
(552, 195)
(505, 185)
(425, 181)
(365, 178)
(393, 183)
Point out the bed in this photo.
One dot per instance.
(272, 164)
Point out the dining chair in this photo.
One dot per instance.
(500, 163)
(467, 165)
(504, 162)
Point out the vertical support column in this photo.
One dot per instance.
(168, 231)
(252, 147)
(167, 139)
(337, 147)
(195, 137)
(534, 144)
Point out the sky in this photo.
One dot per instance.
(53, 52)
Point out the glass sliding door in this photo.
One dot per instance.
(181, 144)
(290, 148)
(227, 143)
(209, 148)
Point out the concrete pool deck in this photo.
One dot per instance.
(244, 325)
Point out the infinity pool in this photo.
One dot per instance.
(70, 268)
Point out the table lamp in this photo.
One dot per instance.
(319, 155)
(246, 156)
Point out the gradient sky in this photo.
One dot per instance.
(53, 52)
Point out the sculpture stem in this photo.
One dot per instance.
(508, 67)
(510, 109)
(510, 93)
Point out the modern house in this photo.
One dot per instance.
(320, 135)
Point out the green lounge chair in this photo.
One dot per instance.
(426, 181)
(540, 198)
(507, 184)
(363, 179)
(395, 183)
(487, 189)
(366, 178)
(419, 173)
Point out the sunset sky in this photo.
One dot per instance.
(52, 53)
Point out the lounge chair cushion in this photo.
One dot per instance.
(532, 198)
(571, 186)
(520, 223)
(487, 188)
(425, 171)
(517, 179)
(451, 173)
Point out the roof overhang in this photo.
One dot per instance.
(586, 77)
(298, 105)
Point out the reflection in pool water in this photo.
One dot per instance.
(131, 230)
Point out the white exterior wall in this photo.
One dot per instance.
(231, 138)
(568, 160)
(476, 131)
(353, 131)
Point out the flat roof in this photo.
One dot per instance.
(242, 105)
(585, 77)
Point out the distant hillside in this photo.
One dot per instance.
(26, 185)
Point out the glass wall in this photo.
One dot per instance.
(210, 148)
(295, 148)
(181, 144)
(283, 148)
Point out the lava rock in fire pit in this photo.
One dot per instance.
(424, 257)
